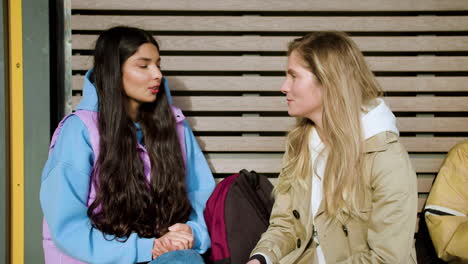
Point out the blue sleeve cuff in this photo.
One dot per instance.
(198, 244)
(144, 247)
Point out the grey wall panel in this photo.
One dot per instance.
(37, 118)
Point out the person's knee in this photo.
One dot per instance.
(179, 257)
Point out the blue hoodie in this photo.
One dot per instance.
(66, 183)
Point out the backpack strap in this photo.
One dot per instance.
(57, 133)
(90, 119)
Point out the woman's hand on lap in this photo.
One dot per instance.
(179, 237)
(183, 234)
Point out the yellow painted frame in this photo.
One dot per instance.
(16, 116)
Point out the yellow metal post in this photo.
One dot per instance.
(16, 116)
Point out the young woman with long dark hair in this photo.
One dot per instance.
(126, 181)
(347, 191)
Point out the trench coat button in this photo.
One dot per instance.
(298, 243)
(296, 214)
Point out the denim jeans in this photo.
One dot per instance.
(187, 256)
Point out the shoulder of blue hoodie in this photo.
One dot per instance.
(64, 193)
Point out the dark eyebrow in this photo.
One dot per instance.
(144, 59)
(291, 71)
(148, 59)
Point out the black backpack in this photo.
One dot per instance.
(236, 214)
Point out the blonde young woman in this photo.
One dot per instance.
(347, 191)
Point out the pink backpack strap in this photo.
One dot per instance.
(90, 119)
(57, 133)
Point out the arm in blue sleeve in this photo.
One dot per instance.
(64, 193)
(200, 185)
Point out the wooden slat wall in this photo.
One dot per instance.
(225, 61)
(273, 5)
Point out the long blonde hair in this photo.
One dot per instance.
(348, 85)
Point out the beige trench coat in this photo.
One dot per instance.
(384, 235)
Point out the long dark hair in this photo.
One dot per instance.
(125, 201)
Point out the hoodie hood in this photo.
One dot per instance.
(89, 100)
(379, 119)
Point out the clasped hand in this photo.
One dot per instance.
(179, 237)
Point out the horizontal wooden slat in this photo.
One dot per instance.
(424, 183)
(246, 143)
(270, 164)
(266, 84)
(430, 144)
(427, 104)
(282, 124)
(438, 124)
(274, 23)
(278, 103)
(278, 63)
(247, 124)
(423, 84)
(273, 5)
(279, 44)
(277, 144)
